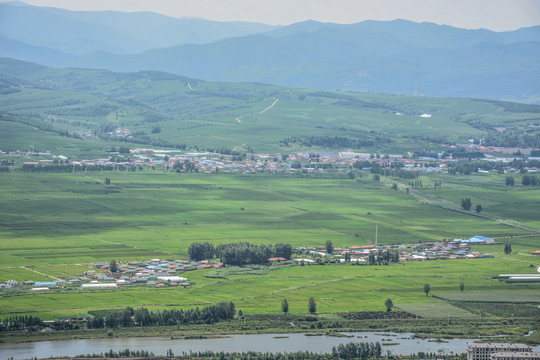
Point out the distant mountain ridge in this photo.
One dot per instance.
(395, 57)
(84, 32)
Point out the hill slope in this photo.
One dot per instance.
(173, 111)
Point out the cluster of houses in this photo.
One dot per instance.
(153, 273)
(448, 249)
(164, 273)
(319, 162)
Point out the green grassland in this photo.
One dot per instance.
(159, 214)
(335, 289)
(204, 115)
(56, 224)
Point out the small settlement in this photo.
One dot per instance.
(153, 273)
(166, 273)
(448, 249)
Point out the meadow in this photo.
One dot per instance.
(58, 224)
(217, 115)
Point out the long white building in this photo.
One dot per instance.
(484, 351)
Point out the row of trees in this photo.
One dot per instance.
(142, 317)
(119, 354)
(531, 180)
(327, 141)
(383, 257)
(18, 323)
(312, 306)
(395, 169)
(253, 355)
(240, 253)
(427, 287)
(526, 180)
(360, 350)
(466, 204)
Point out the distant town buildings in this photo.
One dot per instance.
(500, 351)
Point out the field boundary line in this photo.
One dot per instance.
(37, 272)
(434, 200)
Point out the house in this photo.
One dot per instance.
(99, 286)
(45, 284)
(536, 252)
(277, 259)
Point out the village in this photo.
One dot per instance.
(294, 162)
(157, 273)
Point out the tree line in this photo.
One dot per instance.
(142, 317)
(394, 170)
(526, 180)
(333, 142)
(383, 257)
(119, 354)
(240, 253)
(360, 350)
(19, 323)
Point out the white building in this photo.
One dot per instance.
(483, 351)
(99, 286)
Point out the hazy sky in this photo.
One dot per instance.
(496, 15)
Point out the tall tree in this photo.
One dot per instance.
(285, 306)
(509, 181)
(427, 288)
(113, 266)
(466, 204)
(461, 286)
(389, 305)
(312, 306)
(478, 208)
(329, 247)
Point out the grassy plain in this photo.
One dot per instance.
(57, 224)
(335, 288)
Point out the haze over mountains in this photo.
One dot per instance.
(396, 57)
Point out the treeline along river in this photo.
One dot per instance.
(397, 343)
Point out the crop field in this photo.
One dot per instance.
(335, 288)
(494, 296)
(55, 225)
(62, 219)
(489, 190)
(438, 310)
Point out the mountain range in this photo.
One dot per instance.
(395, 57)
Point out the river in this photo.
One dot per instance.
(259, 342)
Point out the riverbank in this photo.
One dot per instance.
(514, 330)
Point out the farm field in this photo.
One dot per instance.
(335, 288)
(159, 214)
(58, 224)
